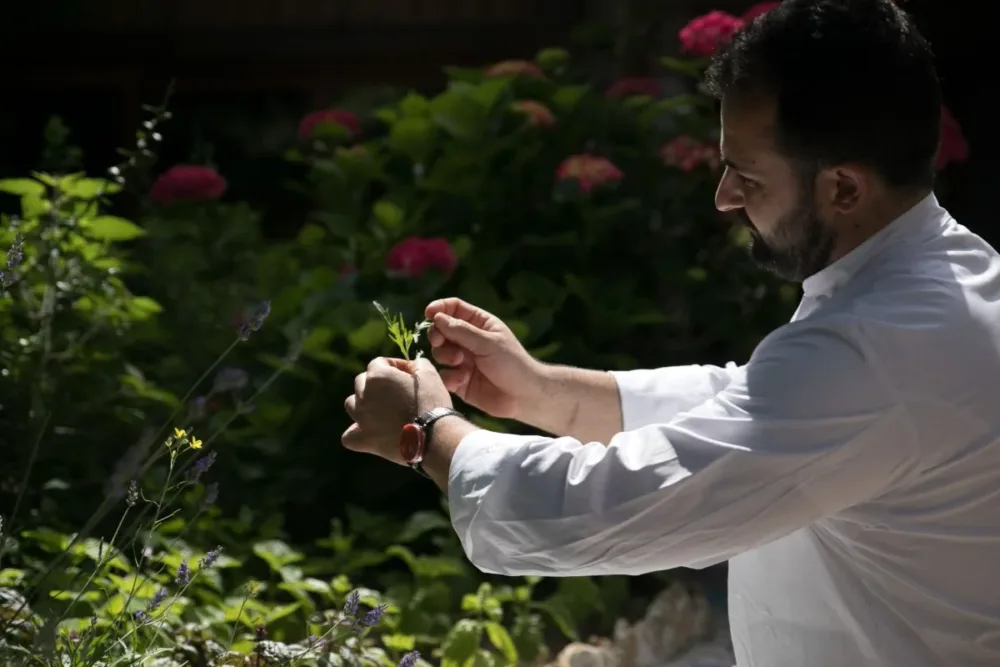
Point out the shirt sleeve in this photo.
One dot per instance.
(656, 396)
(803, 431)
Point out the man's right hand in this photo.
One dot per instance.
(485, 365)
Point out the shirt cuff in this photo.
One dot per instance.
(656, 396)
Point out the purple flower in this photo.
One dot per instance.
(256, 320)
(141, 616)
(351, 606)
(208, 560)
(373, 617)
(183, 574)
(157, 599)
(410, 659)
(201, 466)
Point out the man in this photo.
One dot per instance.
(848, 471)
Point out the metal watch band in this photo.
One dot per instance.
(426, 421)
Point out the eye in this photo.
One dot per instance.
(748, 183)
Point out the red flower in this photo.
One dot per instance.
(705, 34)
(757, 10)
(635, 85)
(590, 171)
(538, 114)
(514, 68)
(414, 256)
(346, 119)
(953, 146)
(187, 182)
(687, 153)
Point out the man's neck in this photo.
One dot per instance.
(881, 214)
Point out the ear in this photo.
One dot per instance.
(842, 190)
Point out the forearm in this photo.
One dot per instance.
(575, 402)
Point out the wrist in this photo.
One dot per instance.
(543, 384)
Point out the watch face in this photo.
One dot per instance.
(411, 443)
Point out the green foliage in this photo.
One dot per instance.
(401, 335)
(594, 249)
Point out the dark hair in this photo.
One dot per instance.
(853, 81)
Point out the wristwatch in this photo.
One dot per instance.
(415, 437)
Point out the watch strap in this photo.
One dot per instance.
(426, 421)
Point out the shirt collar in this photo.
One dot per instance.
(925, 215)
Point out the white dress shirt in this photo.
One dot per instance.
(850, 471)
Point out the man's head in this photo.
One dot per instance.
(830, 117)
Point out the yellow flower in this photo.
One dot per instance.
(180, 433)
(195, 443)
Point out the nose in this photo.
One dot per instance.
(729, 194)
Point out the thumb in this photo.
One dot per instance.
(422, 365)
(463, 334)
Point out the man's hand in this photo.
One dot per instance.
(488, 367)
(386, 397)
(491, 370)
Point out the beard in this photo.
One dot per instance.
(800, 245)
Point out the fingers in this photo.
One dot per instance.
(447, 354)
(464, 334)
(353, 438)
(456, 380)
(351, 406)
(452, 306)
(359, 383)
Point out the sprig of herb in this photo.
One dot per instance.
(404, 337)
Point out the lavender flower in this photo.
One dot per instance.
(410, 659)
(15, 254)
(183, 574)
(351, 605)
(132, 495)
(208, 560)
(201, 466)
(141, 616)
(157, 599)
(372, 617)
(256, 320)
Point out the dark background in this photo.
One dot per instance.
(242, 66)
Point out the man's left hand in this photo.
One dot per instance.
(387, 397)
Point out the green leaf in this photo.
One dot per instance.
(11, 577)
(22, 186)
(413, 137)
(462, 641)
(368, 337)
(388, 213)
(111, 228)
(276, 554)
(143, 308)
(81, 187)
(401, 643)
(414, 104)
(692, 68)
(568, 97)
(501, 639)
(458, 114)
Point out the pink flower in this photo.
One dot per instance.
(538, 114)
(589, 171)
(757, 10)
(414, 256)
(635, 85)
(953, 146)
(187, 182)
(346, 119)
(705, 34)
(687, 153)
(514, 68)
